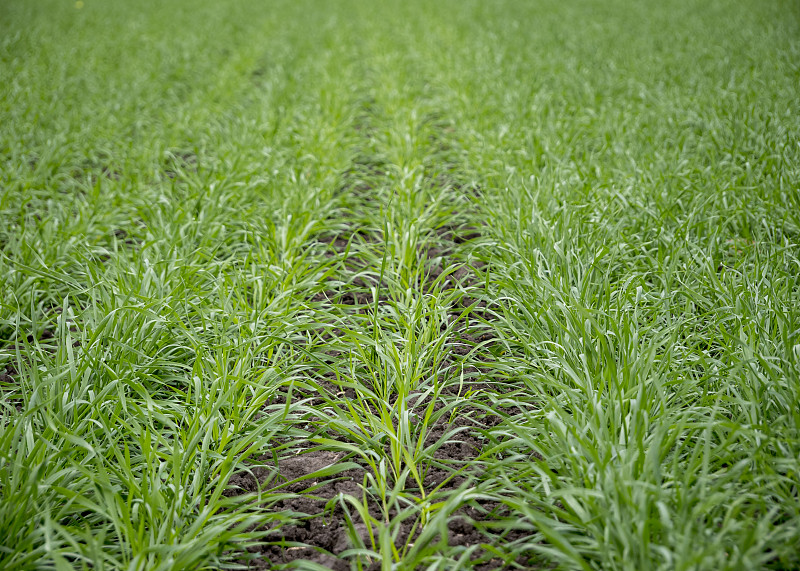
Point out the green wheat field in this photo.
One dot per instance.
(433, 285)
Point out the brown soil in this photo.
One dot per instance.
(317, 530)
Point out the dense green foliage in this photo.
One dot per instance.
(570, 230)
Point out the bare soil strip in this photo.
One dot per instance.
(368, 287)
